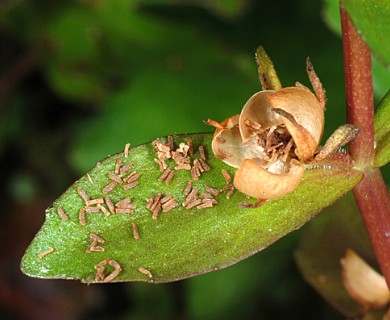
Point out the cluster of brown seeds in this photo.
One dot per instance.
(94, 247)
(156, 204)
(100, 267)
(182, 158)
(205, 200)
(159, 203)
(97, 205)
(229, 185)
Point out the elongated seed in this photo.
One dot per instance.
(118, 165)
(135, 231)
(62, 214)
(127, 148)
(226, 175)
(82, 194)
(170, 177)
(125, 168)
(212, 191)
(110, 205)
(202, 153)
(82, 220)
(115, 178)
(45, 253)
(146, 272)
(108, 188)
(94, 201)
(188, 188)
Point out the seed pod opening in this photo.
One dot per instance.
(276, 132)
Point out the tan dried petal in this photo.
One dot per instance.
(257, 109)
(306, 110)
(363, 283)
(227, 145)
(255, 181)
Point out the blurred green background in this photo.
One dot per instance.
(79, 79)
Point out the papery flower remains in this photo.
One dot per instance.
(277, 132)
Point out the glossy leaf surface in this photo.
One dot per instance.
(182, 242)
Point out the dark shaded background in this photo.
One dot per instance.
(79, 79)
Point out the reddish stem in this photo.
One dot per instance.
(371, 194)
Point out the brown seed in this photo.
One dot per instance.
(205, 205)
(123, 210)
(198, 165)
(94, 201)
(146, 272)
(125, 168)
(226, 175)
(213, 201)
(191, 196)
(191, 147)
(164, 175)
(183, 166)
(202, 153)
(230, 194)
(104, 210)
(156, 210)
(161, 163)
(170, 177)
(115, 178)
(195, 173)
(170, 142)
(115, 273)
(44, 253)
(132, 177)
(82, 194)
(118, 165)
(92, 209)
(100, 269)
(135, 231)
(193, 203)
(169, 205)
(96, 238)
(156, 201)
(110, 205)
(123, 202)
(188, 188)
(204, 164)
(82, 220)
(62, 214)
(206, 196)
(130, 185)
(212, 191)
(94, 247)
(166, 199)
(108, 188)
(150, 203)
(127, 148)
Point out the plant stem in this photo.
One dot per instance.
(371, 194)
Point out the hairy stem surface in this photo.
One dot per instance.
(371, 194)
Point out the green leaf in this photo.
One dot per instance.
(371, 18)
(381, 74)
(182, 242)
(382, 132)
(267, 74)
(324, 244)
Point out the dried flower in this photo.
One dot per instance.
(276, 133)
